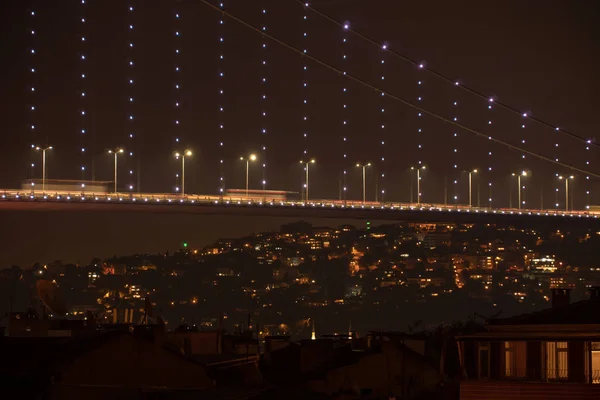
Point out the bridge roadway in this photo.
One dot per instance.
(18, 200)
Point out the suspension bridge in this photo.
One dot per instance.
(272, 97)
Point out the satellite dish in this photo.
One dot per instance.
(51, 297)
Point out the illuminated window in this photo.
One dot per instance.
(595, 361)
(557, 360)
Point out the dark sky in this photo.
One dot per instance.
(541, 57)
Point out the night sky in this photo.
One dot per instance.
(541, 57)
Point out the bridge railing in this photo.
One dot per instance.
(216, 199)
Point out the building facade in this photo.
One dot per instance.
(551, 354)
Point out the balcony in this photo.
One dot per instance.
(550, 384)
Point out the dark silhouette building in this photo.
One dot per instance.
(120, 363)
(551, 354)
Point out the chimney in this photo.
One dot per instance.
(561, 298)
(595, 293)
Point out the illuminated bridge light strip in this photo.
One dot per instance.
(211, 200)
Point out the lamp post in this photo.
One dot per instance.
(251, 157)
(116, 152)
(418, 182)
(471, 186)
(306, 164)
(178, 155)
(566, 179)
(43, 150)
(364, 178)
(519, 175)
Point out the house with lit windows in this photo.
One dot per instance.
(551, 354)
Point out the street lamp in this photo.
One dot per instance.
(43, 150)
(251, 157)
(471, 185)
(519, 175)
(178, 155)
(418, 182)
(306, 164)
(364, 178)
(566, 178)
(116, 152)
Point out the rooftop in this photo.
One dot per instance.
(584, 312)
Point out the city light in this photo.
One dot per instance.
(83, 100)
(183, 155)
(177, 113)
(471, 186)
(566, 179)
(251, 157)
(222, 116)
(306, 165)
(455, 157)
(418, 169)
(345, 114)
(130, 126)
(43, 150)
(364, 180)
(31, 95)
(519, 175)
(264, 93)
(304, 82)
(381, 104)
(116, 152)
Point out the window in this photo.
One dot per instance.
(557, 360)
(515, 359)
(510, 362)
(484, 361)
(595, 361)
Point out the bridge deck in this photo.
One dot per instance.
(215, 205)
